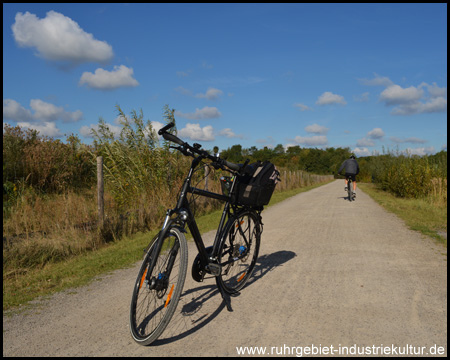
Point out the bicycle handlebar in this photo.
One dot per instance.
(232, 166)
(173, 138)
(184, 146)
(165, 128)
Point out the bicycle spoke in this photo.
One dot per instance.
(238, 252)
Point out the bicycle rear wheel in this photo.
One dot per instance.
(157, 291)
(349, 190)
(238, 251)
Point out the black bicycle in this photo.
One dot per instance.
(231, 259)
(351, 195)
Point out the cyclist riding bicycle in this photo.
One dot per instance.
(351, 170)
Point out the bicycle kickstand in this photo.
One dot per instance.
(227, 298)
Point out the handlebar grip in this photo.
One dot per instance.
(173, 138)
(232, 166)
(165, 128)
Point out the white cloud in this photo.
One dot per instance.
(328, 98)
(197, 133)
(156, 125)
(368, 141)
(376, 133)
(205, 113)
(431, 106)
(316, 129)
(86, 131)
(365, 142)
(48, 112)
(229, 133)
(302, 107)
(12, 110)
(102, 79)
(361, 151)
(420, 151)
(413, 100)
(45, 128)
(395, 95)
(377, 81)
(57, 37)
(317, 140)
(412, 140)
(211, 94)
(43, 111)
(435, 91)
(288, 145)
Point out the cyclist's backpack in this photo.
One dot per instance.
(256, 186)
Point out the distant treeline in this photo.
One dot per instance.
(402, 174)
(313, 160)
(136, 161)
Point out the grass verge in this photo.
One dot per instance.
(21, 287)
(419, 214)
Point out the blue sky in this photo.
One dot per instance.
(363, 76)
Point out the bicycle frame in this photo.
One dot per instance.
(185, 215)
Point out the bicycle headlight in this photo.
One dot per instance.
(183, 214)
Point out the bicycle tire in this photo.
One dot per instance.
(349, 190)
(152, 309)
(239, 243)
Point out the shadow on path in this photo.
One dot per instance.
(195, 309)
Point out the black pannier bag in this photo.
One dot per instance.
(256, 186)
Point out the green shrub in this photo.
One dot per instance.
(405, 175)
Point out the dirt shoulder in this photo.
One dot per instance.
(330, 273)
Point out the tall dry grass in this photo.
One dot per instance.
(438, 193)
(54, 227)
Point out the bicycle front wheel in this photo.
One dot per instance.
(238, 251)
(157, 291)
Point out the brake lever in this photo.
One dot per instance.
(242, 169)
(217, 166)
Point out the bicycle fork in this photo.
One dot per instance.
(160, 282)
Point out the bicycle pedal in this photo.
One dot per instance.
(215, 269)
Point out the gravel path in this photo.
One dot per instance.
(331, 274)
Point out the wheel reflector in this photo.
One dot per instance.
(241, 277)
(169, 296)
(142, 278)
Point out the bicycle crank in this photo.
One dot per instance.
(198, 270)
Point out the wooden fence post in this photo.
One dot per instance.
(100, 190)
(206, 176)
